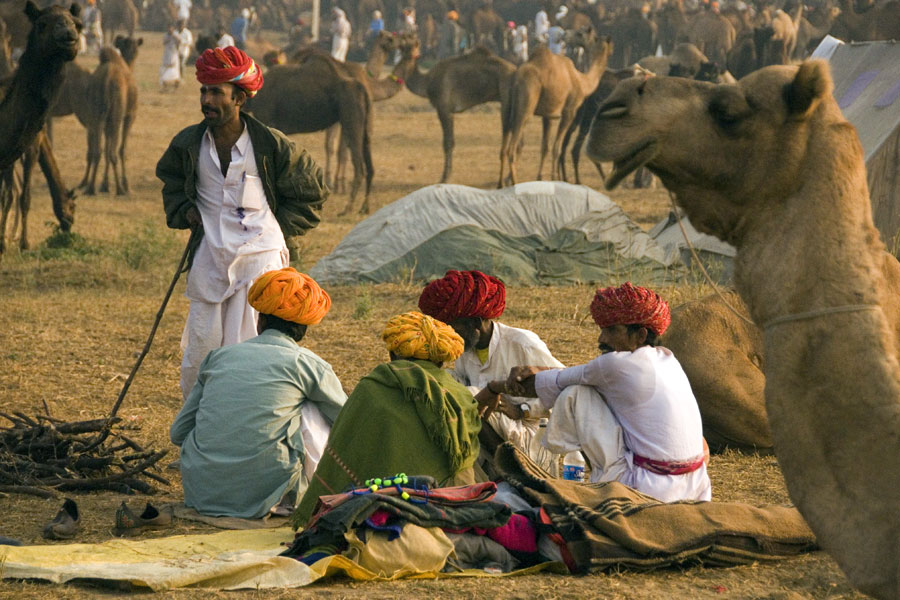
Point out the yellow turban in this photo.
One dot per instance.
(289, 295)
(414, 335)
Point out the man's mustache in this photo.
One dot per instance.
(604, 348)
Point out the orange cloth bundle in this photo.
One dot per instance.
(290, 295)
(414, 335)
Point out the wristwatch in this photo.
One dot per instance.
(525, 412)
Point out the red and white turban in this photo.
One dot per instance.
(630, 305)
(229, 65)
(460, 294)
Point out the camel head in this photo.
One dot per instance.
(387, 41)
(54, 30)
(724, 150)
(128, 47)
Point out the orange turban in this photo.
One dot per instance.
(414, 335)
(229, 65)
(289, 295)
(630, 305)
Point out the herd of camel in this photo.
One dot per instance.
(782, 179)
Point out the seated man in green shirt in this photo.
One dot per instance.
(261, 410)
(406, 416)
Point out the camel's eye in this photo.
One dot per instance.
(729, 108)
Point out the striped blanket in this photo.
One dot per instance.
(607, 525)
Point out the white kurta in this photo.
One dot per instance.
(509, 347)
(649, 394)
(541, 26)
(241, 241)
(340, 41)
(170, 70)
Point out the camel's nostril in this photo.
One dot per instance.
(612, 111)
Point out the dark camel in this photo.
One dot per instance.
(52, 42)
(301, 98)
(548, 85)
(457, 84)
(119, 14)
(19, 192)
(379, 89)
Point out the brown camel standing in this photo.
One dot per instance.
(119, 15)
(712, 33)
(881, 22)
(379, 89)
(112, 91)
(457, 84)
(52, 42)
(771, 166)
(550, 86)
(305, 98)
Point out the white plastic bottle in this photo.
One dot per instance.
(573, 467)
(540, 454)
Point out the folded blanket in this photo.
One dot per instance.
(450, 508)
(611, 525)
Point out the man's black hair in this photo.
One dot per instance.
(652, 336)
(295, 330)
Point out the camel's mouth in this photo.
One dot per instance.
(629, 163)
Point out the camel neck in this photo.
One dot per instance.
(38, 78)
(417, 81)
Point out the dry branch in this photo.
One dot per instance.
(45, 452)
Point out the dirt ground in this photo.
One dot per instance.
(74, 319)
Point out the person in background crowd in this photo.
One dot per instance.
(340, 34)
(541, 25)
(170, 70)
(185, 44)
(92, 18)
(239, 28)
(223, 40)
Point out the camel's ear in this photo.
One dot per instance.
(119, 39)
(811, 84)
(140, 41)
(75, 10)
(32, 11)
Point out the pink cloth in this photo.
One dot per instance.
(518, 535)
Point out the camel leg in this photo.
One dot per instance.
(565, 120)
(333, 135)
(369, 167)
(126, 128)
(28, 161)
(7, 194)
(446, 119)
(111, 157)
(356, 158)
(546, 125)
(343, 159)
(93, 161)
(63, 199)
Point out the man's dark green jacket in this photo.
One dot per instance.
(294, 184)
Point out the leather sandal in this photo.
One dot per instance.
(128, 523)
(66, 524)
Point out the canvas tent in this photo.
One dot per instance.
(716, 255)
(867, 88)
(530, 234)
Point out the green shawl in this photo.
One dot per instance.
(406, 416)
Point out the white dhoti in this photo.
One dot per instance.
(581, 420)
(339, 48)
(522, 433)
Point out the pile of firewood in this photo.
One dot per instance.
(41, 453)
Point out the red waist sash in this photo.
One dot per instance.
(661, 467)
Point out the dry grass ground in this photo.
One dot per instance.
(73, 320)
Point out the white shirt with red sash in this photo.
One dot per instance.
(650, 396)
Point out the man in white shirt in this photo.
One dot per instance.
(246, 187)
(185, 43)
(182, 10)
(340, 34)
(470, 301)
(223, 39)
(646, 390)
(541, 26)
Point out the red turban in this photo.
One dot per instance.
(630, 305)
(229, 65)
(460, 294)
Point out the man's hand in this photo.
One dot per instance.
(521, 381)
(513, 410)
(487, 402)
(193, 217)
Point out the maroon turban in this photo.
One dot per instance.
(460, 294)
(630, 305)
(229, 65)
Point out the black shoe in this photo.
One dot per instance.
(65, 524)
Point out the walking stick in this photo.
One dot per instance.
(104, 433)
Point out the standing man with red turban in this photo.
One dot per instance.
(470, 302)
(247, 188)
(254, 428)
(645, 388)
